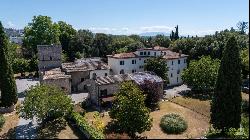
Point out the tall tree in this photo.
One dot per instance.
(201, 74)
(7, 81)
(226, 102)
(161, 40)
(176, 34)
(153, 93)
(67, 33)
(100, 45)
(242, 26)
(158, 66)
(129, 111)
(41, 31)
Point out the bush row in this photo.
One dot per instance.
(85, 127)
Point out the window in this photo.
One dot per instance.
(155, 53)
(141, 53)
(139, 58)
(94, 75)
(133, 61)
(172, 62)
(50, 58)
(177, 80)
(122, 71)
(145, 53)
(43, 57)
(106, 74)
(133, 71)
(165, 53)
(104, 93)
(171, 74)
(179, 61)
(82, 79)
(121, 62)
(185, 60)
(178, 71)
(140, 67)
(148, 53)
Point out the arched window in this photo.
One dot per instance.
(122, 71)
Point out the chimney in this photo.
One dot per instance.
(99, 66)
(180, 52)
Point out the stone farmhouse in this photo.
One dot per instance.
(102, 80)
(123, 63)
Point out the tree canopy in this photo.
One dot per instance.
(45, 101)
(128, 103)
(159, 66)
(201, 74)
(41, 31)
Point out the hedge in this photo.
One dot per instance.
(85, 127)
(2, 120)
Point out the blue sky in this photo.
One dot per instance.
(130, 16)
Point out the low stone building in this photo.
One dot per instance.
(58, 78)
(102, 89)
(84, 69)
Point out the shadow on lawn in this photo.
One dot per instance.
(198, 95)
(51, 129)
(11, 134)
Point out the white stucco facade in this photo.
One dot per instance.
(123, 64)
(99, 73)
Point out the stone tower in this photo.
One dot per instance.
(49, 57)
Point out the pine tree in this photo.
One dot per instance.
(7, 82)
(226, 103)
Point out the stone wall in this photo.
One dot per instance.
(49, 56)
(63, 83)
(77, 77)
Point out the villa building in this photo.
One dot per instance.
(132, 62)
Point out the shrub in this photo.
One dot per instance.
(245, 106)
(84, 126)
(2, 120)
(173, 124)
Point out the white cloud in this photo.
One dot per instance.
(143, 29)
(156, 29)
(10, 24)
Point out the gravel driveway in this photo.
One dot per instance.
(172, 92)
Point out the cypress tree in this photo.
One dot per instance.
(226, 102)
(7, 82)
(176, 35)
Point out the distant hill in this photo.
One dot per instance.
(153, 33)
(13, 32)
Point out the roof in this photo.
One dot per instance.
(169, 54)
(138, 77)
(156, 48)
(85, 64)
(112, 79)
(55, 73)
(172, 55)
(123, 55)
